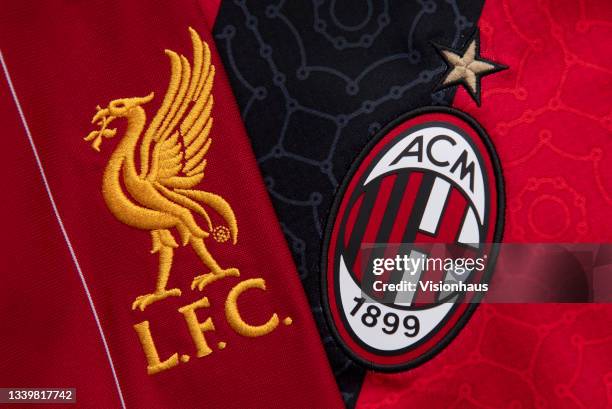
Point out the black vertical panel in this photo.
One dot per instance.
(314, 81)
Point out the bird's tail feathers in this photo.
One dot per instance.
(218, 204)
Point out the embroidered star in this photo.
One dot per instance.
(466, 67)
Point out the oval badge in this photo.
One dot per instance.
(431, 177)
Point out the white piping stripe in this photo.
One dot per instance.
(61, 224)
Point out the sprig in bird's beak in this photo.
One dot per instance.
(102, 118)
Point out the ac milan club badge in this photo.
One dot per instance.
(427, 188)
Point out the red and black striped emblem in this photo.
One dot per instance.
(431, 177)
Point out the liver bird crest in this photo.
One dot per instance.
(161, 196)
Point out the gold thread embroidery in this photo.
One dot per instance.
(154, 364)
(221, 234)
(233, 315)
(196, 328)
(467, 67)
(162, 195)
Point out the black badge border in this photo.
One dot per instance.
(497, 235)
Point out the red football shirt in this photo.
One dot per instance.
(75, 265)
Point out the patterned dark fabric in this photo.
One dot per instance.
(314, 81)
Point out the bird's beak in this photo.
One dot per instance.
(102, 118)
(100, 115)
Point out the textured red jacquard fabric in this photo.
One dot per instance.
(64, 58)
(550, 117)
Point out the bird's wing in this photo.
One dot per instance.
(174, 145)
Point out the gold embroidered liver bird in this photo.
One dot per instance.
(172, 153)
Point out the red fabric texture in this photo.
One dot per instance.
(64, 59)
(210, 9)
(550, 118)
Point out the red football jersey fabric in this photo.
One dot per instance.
(550, 117)
(64, 59)
(43, 340)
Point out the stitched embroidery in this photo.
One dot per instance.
(196, 328)
(466, 67)
(162, 195)
(154, 364)
(172, 149)
(233, 315)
